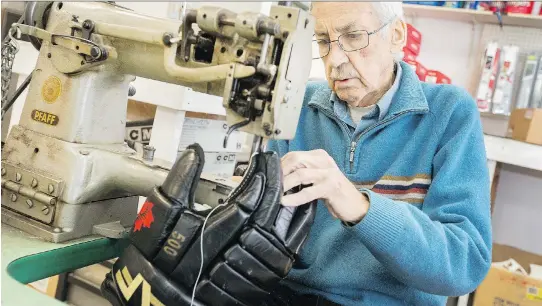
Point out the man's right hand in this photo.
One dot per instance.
(249, 244)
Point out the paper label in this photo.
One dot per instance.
(209, 134)
(534, 294)
(529, 114)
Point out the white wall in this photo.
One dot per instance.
(517, 214)
(447, 46)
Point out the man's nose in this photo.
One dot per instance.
(336, 55)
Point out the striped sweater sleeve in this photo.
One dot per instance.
(444, 248)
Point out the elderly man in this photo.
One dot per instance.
(398, 165)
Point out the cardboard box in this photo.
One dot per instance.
(505, 288)
(526, 125)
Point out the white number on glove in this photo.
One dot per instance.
(174, 243)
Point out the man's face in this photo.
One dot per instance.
(357, 74)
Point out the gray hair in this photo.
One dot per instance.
(388, 10)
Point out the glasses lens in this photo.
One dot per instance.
(320, 48)
(354, 40)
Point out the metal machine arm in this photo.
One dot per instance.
(66, 170)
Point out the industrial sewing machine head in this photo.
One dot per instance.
(66, 171)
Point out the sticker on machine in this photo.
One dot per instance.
(51, 89)
(145, 217)
(44, 117)
(534, 294)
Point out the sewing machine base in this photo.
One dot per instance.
(108, 218)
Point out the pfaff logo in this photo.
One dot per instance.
(128, 287)
(44, 117)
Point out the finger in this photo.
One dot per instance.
(303, 177)
(291, 162)
(297, 160)
(304, 196)
(305, 159)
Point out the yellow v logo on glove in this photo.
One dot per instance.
(128, 286)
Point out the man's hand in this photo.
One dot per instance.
(318, 169)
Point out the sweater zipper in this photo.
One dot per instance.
(353, 143)
(352, 151)
(381, 123)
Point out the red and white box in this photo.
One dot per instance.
(413, 47)
(413, 43)
(408, 55)
(437, 77)
(486, 87)
(519, 7)
(413, 34)
(421, 71)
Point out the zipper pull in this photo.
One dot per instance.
(352, 149)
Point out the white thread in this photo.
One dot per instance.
(201, 251)
(205, 223)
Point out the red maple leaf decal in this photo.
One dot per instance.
(145, 217)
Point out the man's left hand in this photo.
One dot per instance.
(343, 200)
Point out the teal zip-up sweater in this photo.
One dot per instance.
(427, 234)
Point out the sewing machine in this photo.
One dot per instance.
(66, 170)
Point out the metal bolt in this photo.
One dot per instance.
(95, 52)
(29, 203)
(289, 86)
(45, 210)
(84, 152)
(18, 177)
(57, 230)
(4, 171)
(34, 183)
(87, 25)
(51, 188)
(13, 197)
(148, 152)
(286, 98)
(277, 131)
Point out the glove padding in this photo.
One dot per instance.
(249, 244)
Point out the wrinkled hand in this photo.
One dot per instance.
(343, 200)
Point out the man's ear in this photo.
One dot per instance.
(398, 36)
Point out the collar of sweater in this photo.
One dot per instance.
(409, 96)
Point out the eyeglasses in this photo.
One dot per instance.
(348, 42)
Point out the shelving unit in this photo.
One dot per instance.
(466, 15)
